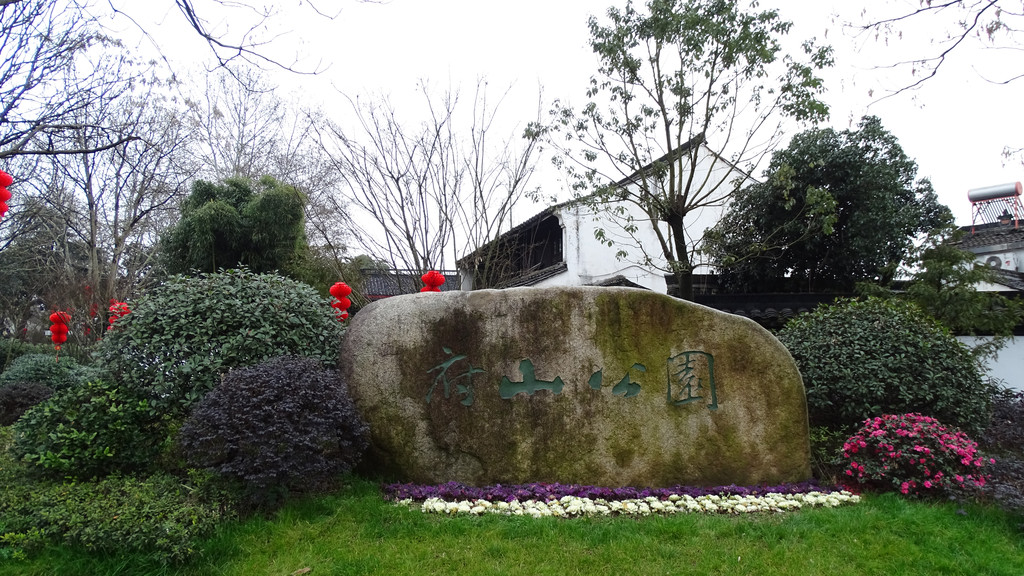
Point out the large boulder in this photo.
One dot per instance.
(601, 386)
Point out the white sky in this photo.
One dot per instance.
(955, 126)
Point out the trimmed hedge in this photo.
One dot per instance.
(862, 359)
(44, 369)
(181, 337)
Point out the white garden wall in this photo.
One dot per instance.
(1008, 365)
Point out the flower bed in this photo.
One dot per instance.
(569, 501)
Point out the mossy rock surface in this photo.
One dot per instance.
(602, 386)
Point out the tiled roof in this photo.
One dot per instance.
(991, 236)
(536, 276)
(386, 283)
(619, 280)
(1010, 279)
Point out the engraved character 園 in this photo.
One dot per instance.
(685, 384)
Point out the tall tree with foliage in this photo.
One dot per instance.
(679, 71)
(258, 225)
(770, 241)
(243, 129)
(944, 285)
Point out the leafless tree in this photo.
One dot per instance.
(428, 192)
(116, 201)
(245, 39)
(41, 39)
(40, 43)
(237, 125)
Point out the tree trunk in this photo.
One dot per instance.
(680, 261)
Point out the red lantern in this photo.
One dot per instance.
(5, 194)
(340, 290)
(341, 303)
(59, 328)
(433, 281)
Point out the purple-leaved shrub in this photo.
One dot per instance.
(915, 455)
(544, 491)
(284, 424)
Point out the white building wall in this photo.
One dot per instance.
(637, 255)
(1007, 365)
(589, 261)
(1009, 259)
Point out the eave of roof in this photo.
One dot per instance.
(1010, 279)
(536, 276)
(620, 281)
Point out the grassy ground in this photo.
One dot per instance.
(356, 532)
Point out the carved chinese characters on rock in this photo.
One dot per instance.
(690, 379)
(449, 382)
(529, 384)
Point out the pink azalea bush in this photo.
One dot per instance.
(914, 454)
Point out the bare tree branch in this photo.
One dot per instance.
(432, 192)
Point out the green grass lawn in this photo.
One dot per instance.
(356, 532)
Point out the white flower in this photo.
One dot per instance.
(571, 506)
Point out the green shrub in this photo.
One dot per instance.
(159, 515)
(182, 336)
(18, 397)
(45, 369)
(285, 424)
(861, 359)
(11, 349)
(915, 455)
(826, 453)
(87, 431)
